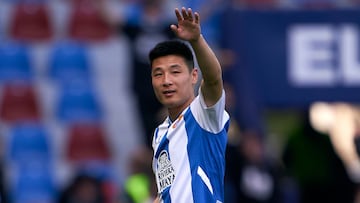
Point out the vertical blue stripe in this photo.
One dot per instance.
(206, 150)
(163, 146)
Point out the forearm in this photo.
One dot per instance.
(210, 68)
(207, 60)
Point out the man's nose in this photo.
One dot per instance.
(167, 79)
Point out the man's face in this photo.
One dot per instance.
(172, 81)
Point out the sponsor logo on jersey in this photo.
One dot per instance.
(165, 172)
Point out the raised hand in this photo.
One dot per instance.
(188, 27)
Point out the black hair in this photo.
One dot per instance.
(173, 47)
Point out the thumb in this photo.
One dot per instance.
(174, 28)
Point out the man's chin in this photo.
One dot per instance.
(169, 104)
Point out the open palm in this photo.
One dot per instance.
(188, 27)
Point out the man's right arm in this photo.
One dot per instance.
(188, 29)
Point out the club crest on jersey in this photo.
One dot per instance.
(165, 172)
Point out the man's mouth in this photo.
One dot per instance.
(168, 92)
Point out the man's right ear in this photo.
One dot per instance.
(195, 75)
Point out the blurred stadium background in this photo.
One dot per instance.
(71, 107)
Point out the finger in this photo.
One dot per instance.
(178, 15)
(184, 14)
(190, 14)
(197, 18)
(173, 28)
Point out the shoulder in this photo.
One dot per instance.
(212, 119)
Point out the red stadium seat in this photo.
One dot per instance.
(31, 22)
(86, 23)
(19, 102)
(87, 142)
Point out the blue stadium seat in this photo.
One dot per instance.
(69, 60)
(29, 142)
(15, 62)
(78, 101)
(33, 183)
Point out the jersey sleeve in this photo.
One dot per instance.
(213, 118)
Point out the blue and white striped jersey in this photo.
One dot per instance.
(189, 154)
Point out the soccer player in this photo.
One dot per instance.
(189, 146)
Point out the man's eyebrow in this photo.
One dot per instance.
(172, 66)
(156, 69)
(175, 65)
